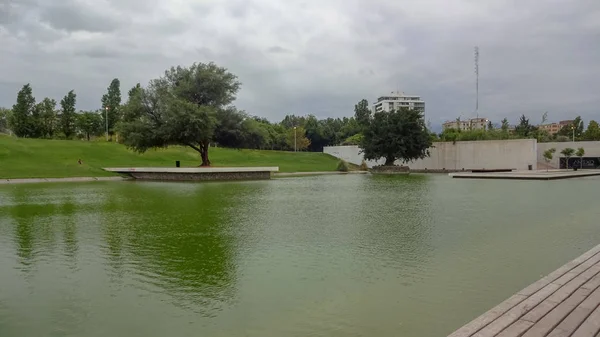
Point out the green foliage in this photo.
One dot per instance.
(363, 166)
(524, 129)
(5, 115)
(354, 140)
(296, 139)
(362, 114)
(399, 134)
(593, 131)
(47, 117)
(68, 114)
(548, 155)
(342, 166)
(21, 118)
(180, 108)
(575, 127)
(567, 152)
(89, 124)
(111, 105)
(580, 152)
(504, 125)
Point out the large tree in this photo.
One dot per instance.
(68, 114)
(89, 123)
(524, 129)
(180, 108)
(111, 105)
(362, 113)
(20, 119)
(592, 132)
(47, 110)
(396, 135)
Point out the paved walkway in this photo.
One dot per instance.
(564, 303)
(57, 180)
(529, 175)
(324, 173)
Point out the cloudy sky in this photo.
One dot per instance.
(317, 56)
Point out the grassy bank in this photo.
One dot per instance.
(38, 158)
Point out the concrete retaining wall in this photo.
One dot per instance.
(592, 149)
(494, 154)
(208, 176)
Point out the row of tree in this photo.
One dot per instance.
(233, 128)
(524, 130)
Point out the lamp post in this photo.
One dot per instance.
(295, 147)
(106, 118)
(573, 128)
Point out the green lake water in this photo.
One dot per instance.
(316, 256)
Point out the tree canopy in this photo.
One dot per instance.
(111, 105)
(68, 115)
(180, 108)
(396, 135)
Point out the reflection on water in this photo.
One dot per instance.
(330, 256)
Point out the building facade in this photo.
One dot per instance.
(469, 124)
(397, 100)
(553, 128)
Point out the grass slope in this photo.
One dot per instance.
(39, 158)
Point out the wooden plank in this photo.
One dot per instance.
(515, 313)
(488, 317)
(592, 301)
(576, 266)
(570, 323)
(591, 263)
(542, 327)
(590, 327)
(516, 329)
(568, 267)
(575, 284)
(545, 307)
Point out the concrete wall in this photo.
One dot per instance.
(493, 154)
(592, 149)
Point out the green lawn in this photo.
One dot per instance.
(39, 158)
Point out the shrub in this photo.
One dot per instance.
(363, 166)
(342, 166)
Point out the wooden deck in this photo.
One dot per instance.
(564, 303)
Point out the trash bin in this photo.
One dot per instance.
(177, 163)
(530, 167)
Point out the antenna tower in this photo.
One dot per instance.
(477, 81)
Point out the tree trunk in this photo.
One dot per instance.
(204, 154)
(389, 161)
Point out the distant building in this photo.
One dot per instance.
(553, 128)
(397, 100)
(469, 124)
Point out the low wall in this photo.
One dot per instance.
(200, 176)
(447, 156)
(196, 174)
(592, 149)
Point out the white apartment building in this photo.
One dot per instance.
(469, 124)
(397, 100)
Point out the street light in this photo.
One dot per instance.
(295, 147)
(573, 128)
(106, 118)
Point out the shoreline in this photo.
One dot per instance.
(57, 180)
(15, 181)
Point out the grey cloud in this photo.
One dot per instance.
(317, 57)
(278, 49)
(69, 16)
